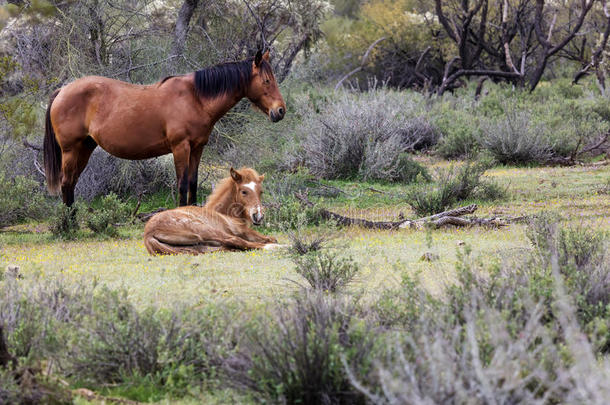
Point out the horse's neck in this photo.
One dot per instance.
(218, 106)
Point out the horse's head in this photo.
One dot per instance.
(263, 90)
(248, 191)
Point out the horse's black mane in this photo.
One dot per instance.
(227, 77)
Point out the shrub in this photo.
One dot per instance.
(514, 139)
(507, 331)
(284, 211)
(304, 241)
(452, 185)
(326, 271)
(101, 220)
(20, 198)
(459, 134)
(297, 357)
(581, 258)
(363, 136)
(64, 223)
(98, 336)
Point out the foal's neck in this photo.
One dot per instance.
(224, 200)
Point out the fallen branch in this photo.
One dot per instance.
(450, 217)
(145, 216)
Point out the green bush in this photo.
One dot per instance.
(459, 134)
(452, 186)
(64, 222)
(20, 199)
(102, 219)
(514, 139)
(298, 356)
(326, 271)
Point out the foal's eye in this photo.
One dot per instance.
(267, 81)
(244, 192)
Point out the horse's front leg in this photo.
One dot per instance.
(194, 160)
(181, 154)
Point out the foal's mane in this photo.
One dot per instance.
(227, 77)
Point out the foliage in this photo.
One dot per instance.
(459, 132)
(98, 336)
(64, 222)
(296, 357)
(453, 185)
(513, 139)
(364, 136)
(102, 220)
(326, 271)
(405, 28)
(20, 199)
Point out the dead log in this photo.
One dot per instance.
(451, 217)
(145, 216)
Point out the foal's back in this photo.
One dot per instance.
(189, 229)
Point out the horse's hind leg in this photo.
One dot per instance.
(194, 160)
(74, 159)
(181, 154)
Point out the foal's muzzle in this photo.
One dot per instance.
(277, 114)
(257, 218)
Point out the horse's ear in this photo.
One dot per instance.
(261, 178)
(258, 58)
(266, 55)
(235, 175)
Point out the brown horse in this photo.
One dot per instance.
(222, 224)
(131, 121)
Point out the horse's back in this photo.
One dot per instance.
(127, 120)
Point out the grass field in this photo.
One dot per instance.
(579, 194)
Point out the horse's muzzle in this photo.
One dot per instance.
(277, 114)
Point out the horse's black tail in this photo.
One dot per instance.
(52, 152)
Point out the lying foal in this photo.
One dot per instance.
(222, 224)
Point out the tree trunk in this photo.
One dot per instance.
(180, 32)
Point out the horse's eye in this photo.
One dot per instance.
(244, 192)
(267, 81)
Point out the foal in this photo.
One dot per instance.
(222, 224)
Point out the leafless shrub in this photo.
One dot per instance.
(362, 135)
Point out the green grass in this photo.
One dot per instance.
(261, 275)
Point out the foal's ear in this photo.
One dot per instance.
(235, 175)
(258, 58)
(266, 55)
(261, 178)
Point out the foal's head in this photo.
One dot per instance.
(239, 196)
(248, 190)
(263, 90)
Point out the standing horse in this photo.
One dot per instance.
(134, 122)
(222, 224)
